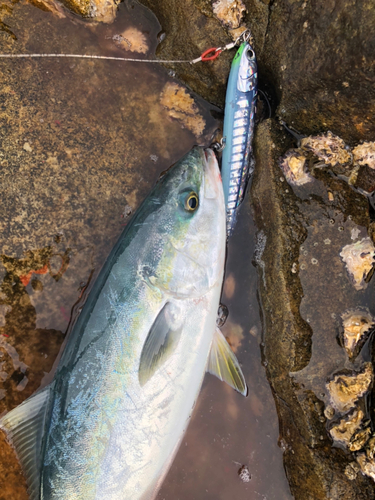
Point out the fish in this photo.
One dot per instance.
(110, 423)
(238, 131)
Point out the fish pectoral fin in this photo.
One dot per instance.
(223, 363)
(25, 426)
(161, 341)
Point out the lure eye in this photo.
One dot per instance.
(250, 54)
(191, 202)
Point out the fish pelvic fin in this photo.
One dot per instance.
(223, 363)
(161, 341)
(25, 427)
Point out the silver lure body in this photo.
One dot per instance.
(239, 119)
(104, 432)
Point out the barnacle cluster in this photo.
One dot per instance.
(346, 428)
(348, 421)
(329, 150)
(347, 390)
(367, 460)
(349, 425)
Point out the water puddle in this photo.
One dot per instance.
(82, 143)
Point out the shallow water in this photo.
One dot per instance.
(82, 142)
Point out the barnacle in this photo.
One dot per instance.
(328, 147)
(364, 154)
(367, 464)
(345, 389)
(351, 470)
(294, 166)
(359, 261)
(344, 430)
(359, 439)
(357, 325)
(229, 12)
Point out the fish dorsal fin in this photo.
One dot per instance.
(25, 426)
(223, 363)
(161, 341)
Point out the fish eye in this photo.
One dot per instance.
(191, 202)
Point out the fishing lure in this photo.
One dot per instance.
(240, 107)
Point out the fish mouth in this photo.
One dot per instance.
(212, 177)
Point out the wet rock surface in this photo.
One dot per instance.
(322, 394)
(191, 27)
(81, 145)
(317, 57)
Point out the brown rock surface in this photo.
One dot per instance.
(304, 229)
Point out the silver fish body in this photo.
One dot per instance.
(111, 422)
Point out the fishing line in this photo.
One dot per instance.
(80, 56)
(208, 55)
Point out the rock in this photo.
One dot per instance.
(95, 10)
(311, 55)
(294, 229)
(363, 177)
(204, 30)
